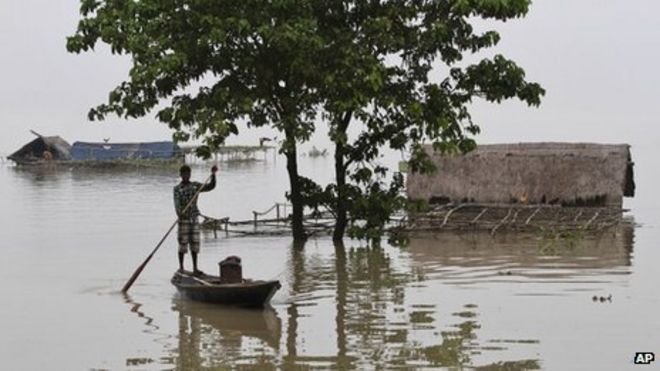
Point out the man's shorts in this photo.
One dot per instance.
(188, 235)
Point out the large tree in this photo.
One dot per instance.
(211, 64)
(280, 63)
(377, 67)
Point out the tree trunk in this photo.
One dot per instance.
(296, 197)
(340, 176)
(341, 211)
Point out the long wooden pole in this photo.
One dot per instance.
(139, 269)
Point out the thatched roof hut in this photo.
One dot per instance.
(575, 174)
(42, 148)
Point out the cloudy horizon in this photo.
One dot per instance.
(595, 59)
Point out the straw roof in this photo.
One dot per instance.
(583, 174)
(59, 148)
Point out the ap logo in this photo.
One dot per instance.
(644, 358)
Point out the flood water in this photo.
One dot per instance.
(72, 237)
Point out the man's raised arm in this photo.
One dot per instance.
(211, 185)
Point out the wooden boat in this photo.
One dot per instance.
(210, 289)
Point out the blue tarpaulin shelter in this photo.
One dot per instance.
(83, 151)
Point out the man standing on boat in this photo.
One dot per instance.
(189, 234)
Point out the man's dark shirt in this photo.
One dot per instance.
(184, 192)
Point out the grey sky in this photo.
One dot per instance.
(596, 58)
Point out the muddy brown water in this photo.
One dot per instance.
(71, 238)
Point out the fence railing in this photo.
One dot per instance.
(280, 209)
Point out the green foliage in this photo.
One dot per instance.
(206, 65)
(372, 203)
(254, 61)
(377, 74)
(313, 195)
(553, 239)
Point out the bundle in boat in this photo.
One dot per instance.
(230, 288)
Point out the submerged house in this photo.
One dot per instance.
(85, 151)
(56, 150)
(524, 186)
(42, 149)
(578, 174)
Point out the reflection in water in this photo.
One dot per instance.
(211, 336)
(44, 173)
(135, 308)
(475, 258)
(453, 300)
(39, 175)
(368, 296)
(385, 339)
(343, 361)
(151, 328)
(458, 346)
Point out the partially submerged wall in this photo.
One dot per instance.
(582, 174)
